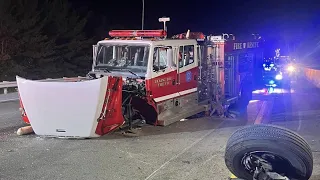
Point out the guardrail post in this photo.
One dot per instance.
(5, 90)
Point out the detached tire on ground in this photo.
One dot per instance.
(286, 151)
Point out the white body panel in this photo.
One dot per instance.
(63, 109)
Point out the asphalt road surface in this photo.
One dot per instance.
(191, 149)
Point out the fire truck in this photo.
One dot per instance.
(143, 77)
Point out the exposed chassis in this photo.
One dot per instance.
(262, 175)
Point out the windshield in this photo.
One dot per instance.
(123, 57)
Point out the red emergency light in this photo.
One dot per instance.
(137, 33)
(192, 35)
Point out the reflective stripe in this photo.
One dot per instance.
(170, 96)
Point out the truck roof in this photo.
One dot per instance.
(150, 42)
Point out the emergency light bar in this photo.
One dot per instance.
(138, 33)
(199, 36)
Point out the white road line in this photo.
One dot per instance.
(260, 115)
(300, 120)
(179, 154)
(265, 106)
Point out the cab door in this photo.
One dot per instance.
(163, 81)
(187, 70)
(187, 79)
(164, 84)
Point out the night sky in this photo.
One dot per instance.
(296, 21)
(210, 16)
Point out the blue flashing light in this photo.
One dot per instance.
(271, 82)
(270, 90)
(278, 77)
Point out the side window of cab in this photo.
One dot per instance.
(162, 58)
(186, 55)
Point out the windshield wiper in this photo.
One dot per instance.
(106, 70)
(102, 68)
(131, 72)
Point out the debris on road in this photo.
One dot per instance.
(24, 130)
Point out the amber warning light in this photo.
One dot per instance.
(138, 33)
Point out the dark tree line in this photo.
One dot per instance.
(41, 39)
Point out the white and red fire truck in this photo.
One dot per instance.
(143, 76)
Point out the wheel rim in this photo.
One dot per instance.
(270, 162)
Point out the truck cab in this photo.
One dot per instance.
(166, 70)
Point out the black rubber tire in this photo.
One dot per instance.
(278, 140)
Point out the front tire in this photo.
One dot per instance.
(290, 148)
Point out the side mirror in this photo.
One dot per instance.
(94, 51)
(94, 56)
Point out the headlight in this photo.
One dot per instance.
(278, 77)
(290, 68)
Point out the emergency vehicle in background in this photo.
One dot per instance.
(287, 65)
(141, 76)
(279, 71)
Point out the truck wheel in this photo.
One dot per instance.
(286, 152)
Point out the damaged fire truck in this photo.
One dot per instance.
(141, 76)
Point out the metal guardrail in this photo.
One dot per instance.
(313, 75)
(5, 85)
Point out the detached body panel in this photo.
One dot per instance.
(64, 109)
